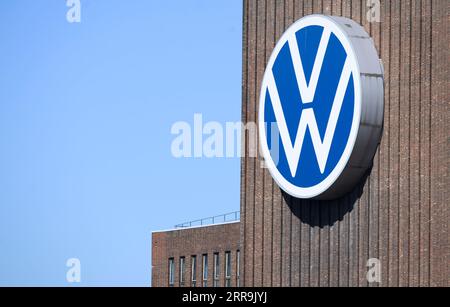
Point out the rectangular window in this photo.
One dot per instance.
(227, 269)
(216, 269)
(171, 272)
(182, 268)
(193, 271)
(205, 270)
(238, 269)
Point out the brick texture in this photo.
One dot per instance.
(194, 241)
(400, 212)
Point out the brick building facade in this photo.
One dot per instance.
(400, 213)
(184, 257)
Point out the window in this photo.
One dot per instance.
(227, 269)
(238, 269)
(182, 268)
(171, 272)
(205, 270)
(193, 271)
(216, 270)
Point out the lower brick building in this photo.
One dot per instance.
(200, 256)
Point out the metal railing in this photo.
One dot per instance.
(223, 218)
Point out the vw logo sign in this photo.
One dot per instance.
(321, 107)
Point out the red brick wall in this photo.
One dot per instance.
(400, 213)
(194, 241)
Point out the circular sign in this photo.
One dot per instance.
(321, 107)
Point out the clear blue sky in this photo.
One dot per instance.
(85, 115)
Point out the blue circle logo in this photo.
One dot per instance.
(310, 106)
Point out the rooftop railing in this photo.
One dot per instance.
(223, 218)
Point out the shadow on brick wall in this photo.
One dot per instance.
(323, 213)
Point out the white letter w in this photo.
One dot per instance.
(307, 118)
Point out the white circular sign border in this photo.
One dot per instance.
(324, 185)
